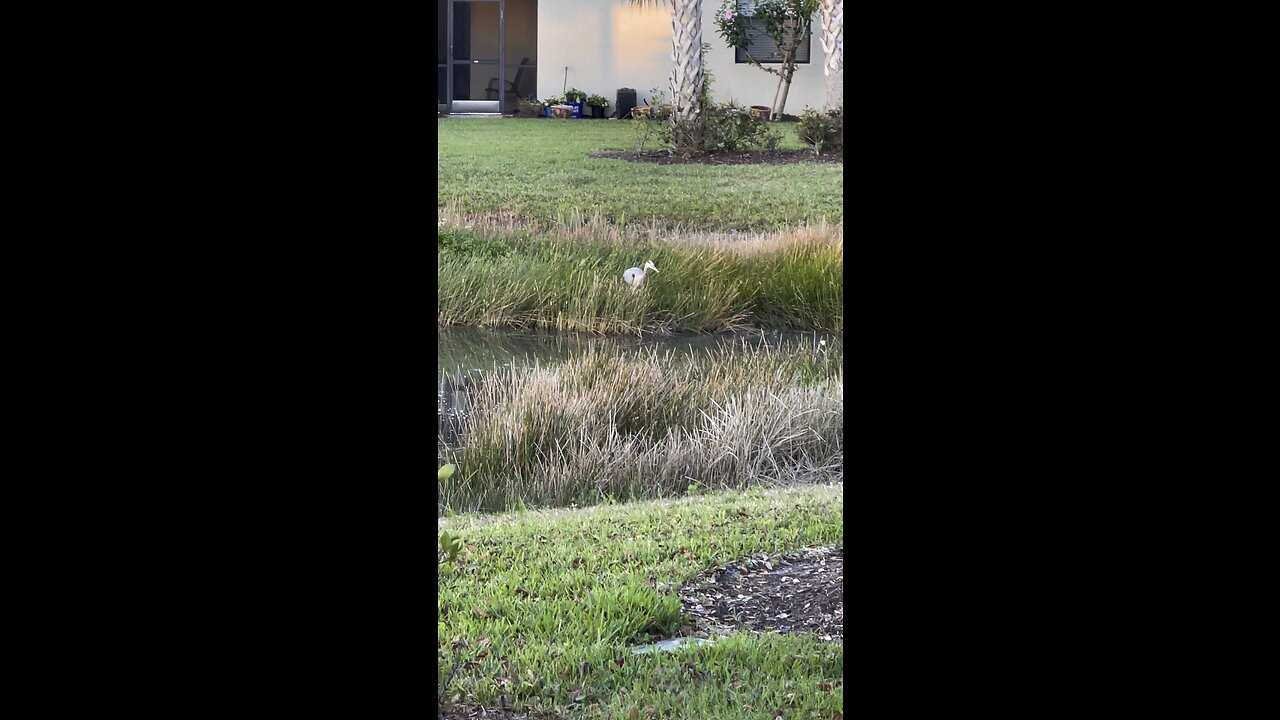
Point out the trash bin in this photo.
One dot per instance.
(626, 101)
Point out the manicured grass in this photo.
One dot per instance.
(609, 425)
(538, 171)
(570, 279)
(541, 609)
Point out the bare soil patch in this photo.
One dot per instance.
(801, 591)
(750, 157)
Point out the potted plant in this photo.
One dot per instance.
(575, 97)
(531, 107)
(549, 102)
(597, 103)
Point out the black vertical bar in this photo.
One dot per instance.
(502, 57)
(448, 68)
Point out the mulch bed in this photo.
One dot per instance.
(801, 591)
(750, 157)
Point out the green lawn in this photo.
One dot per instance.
(542, 609)
(539, 170)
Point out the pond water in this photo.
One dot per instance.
(476, 349)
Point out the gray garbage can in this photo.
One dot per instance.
(626, 102)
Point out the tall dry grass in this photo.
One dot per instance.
(614, 426)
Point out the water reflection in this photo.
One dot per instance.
(468, 349)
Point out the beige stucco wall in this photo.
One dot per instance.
(608, 44)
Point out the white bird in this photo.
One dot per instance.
(635, 276)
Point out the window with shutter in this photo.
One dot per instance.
(761, 46)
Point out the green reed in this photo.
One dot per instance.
(496, 277)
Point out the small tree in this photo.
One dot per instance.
(786, 22)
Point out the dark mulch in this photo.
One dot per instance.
(751, 157)
(801, 591)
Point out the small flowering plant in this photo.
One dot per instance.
(778, 18)
(786, 22)
(731, 24)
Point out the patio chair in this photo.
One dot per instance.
(513, 86)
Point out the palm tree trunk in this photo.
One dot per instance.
(686, 55)
(833, 51)
(686, 46)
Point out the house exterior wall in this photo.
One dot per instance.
(608, 44)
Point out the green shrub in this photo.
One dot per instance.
(822, 131)
(720, 128)
(728, 127)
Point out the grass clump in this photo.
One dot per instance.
(613, 425)
(569, 281)
(541, 608)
